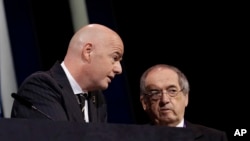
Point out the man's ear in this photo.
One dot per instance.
(143, 102)
(86, 51)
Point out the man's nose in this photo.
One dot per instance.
(165, 97)
(118, 68)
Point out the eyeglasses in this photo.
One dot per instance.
(157, 94)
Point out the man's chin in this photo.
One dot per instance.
(104, 87)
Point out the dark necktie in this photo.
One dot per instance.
(81, 99)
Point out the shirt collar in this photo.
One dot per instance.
(74, 85)
(181, 124)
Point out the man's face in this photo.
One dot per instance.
(105, 63)
(164, 109)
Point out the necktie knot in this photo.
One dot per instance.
(81, 99)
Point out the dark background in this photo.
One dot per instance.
(206, 40)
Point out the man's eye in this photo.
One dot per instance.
(172, 90)
(116, 58)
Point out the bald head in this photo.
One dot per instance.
(94, 29)
(92, 33)
(88, 50)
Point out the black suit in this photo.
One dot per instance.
(51, 92)
(202, 133)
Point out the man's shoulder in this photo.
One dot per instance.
(202, 127)
(42, 76)
(207, 128)
(209, 132)
(46, 74)
(38, 75)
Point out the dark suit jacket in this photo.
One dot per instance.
(203, 133)
(51, 93)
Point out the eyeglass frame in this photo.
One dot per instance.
(159, 93)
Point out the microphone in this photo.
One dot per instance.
(28, 104)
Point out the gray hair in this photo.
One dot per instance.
(183, 82)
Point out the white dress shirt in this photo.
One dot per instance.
(181, 124)
(76, 89)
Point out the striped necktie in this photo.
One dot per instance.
(81, 101)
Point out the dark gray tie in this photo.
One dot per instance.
(81, 101)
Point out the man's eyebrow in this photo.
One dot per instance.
(119, 54)
(172, 86)
(155, 87)
(151, 87)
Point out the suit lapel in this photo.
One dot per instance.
(92, 107)
(72, 106)
(197, 133)
(69, 100)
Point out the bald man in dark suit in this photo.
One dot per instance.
(92, 61)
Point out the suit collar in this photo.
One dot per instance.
(197, 132)
(74, 85)
(92, 107)
(71, 106)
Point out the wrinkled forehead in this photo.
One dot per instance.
(162, 76)
(116, 44)
(112, 45)
(117, 41)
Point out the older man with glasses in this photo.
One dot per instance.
(164, 91)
